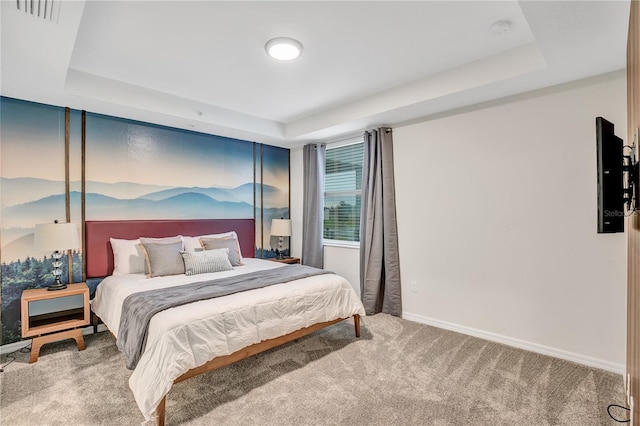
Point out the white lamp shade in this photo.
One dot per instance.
(281, 227)
(50, 237)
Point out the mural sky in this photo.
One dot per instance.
(33, 133)
(123, 150)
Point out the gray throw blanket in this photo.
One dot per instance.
(138, 308)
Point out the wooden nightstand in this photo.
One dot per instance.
(47, 327)
(289, 260)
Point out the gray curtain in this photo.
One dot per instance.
(313, 203)
(379, 259)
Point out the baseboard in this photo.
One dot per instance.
(509, 341)
(517, 343)
(16, 346)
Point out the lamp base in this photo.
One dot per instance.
(56, 286)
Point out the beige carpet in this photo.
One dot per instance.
(398, 373)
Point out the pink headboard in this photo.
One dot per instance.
(98, 250)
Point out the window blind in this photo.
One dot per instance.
(343, 191)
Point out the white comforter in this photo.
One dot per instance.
(187, 336)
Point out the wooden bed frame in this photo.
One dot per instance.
(99, 263)
(247, 352)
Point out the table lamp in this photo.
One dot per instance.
(56, 237)
(280, 228)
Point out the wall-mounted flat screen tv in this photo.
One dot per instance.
(610, 179)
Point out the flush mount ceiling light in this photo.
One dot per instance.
(283, 48)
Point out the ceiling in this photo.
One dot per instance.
(202, 66)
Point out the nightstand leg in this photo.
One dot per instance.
(79, 340)
(37, 342)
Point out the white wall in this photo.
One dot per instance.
(497, 223)
(344, 261)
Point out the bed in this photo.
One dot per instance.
(187, 340)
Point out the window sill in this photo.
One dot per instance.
(342, 244)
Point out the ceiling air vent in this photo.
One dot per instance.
(43, 9)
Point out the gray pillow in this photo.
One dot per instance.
(162, 240)
(202, 262)
(163, 259)
(226, 242)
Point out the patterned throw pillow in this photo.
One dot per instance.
(202, 262)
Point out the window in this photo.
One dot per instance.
(343, 183)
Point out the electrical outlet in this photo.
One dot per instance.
(414, 286)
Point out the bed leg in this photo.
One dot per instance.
(95, 320)
(160, 411)
(356, 323)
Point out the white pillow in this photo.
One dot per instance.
(128, 257)
(193, 243)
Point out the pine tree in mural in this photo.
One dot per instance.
(37, 274)
(30, 273)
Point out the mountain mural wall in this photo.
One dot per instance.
(134, 170)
